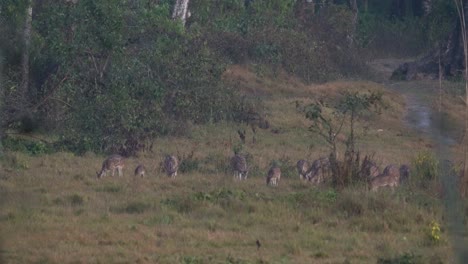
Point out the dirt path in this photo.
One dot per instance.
(421, 117)
(419, 100)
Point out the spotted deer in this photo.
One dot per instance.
(369, 169)
(319, 171)
(112, 163)
(171, 165)
(302, 168)
(140, 170)
(389, 178)
(273, 176)
(239, 166)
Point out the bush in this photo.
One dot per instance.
(29, 146)
(136, 208)
(76, 200)
(426, 168)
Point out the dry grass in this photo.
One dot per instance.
(54, 210)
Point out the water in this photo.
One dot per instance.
(420, 117)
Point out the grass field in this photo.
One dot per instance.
(54, 210)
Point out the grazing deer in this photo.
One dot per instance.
(404, 173)
(389, 178)
(274, 175)
(239, 166)
(319, 170)
(369, 169)
(112, 163)
(302, 168)
(171, 165)
(140, 171)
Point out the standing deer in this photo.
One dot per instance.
(302, 168)
(239, 166)
(369, 169)
(112, 163)
(319, 171)
(274, 175)
(140, 171)
(171, 165)
(389, 178)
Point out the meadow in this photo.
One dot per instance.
(55, 210)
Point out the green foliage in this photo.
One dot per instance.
(434, 232)
(75, 200)
(192, 260)
(31, 147)
(121, 73)
(385, 31)
(426, 168)
(189, 163)
(329, 119)
(136, 208)
(108, 75)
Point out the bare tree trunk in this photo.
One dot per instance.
(462, 8)
(366, 6)
(354, 8)
(23, 89)
(181, 11)
(427, 7)
(2, 112)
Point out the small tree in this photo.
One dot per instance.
(328, 121)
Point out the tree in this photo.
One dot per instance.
(181, 11)
(23, 90)
(448, 52)
(329, 119)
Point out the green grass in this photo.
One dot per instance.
(54, 210)
(208, 218)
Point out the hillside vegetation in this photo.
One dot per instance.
(260, 78)
(54, 210)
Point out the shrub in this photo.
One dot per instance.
(425, 170)
(75, 200)
(434, 232)
(136, 208)
(29, 146)
(189, 163)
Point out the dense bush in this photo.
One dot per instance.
(106, 76)
(124, 74)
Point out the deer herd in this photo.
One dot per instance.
(315, 172)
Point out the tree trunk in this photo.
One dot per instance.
(354, 8)
(181, 11)
(427, 7)
(23, 89)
